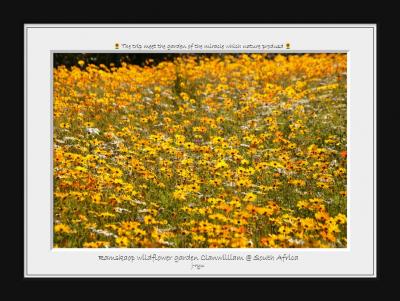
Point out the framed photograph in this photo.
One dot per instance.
(200, 150)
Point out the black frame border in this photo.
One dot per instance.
(165, 21)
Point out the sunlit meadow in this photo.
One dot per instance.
(222, 151)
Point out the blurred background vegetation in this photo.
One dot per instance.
(116, 59)
(111, 59)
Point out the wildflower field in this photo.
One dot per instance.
(202, 151)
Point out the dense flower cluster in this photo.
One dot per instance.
(223, 151)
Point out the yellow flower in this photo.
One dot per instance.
(284, 230)
(122, 242)
(198, 238)
(250, 197)
(179, 195)
(106, 214)
(302, 204)
(221, 164)
(323, 185)
(96, 244)
(88, 124)
(244, 182)
(148, 220)
(341, 218)
(215, 182)
(275, 164)
(62, 228)
(308, 223)
(322, 216)
(65, 125)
